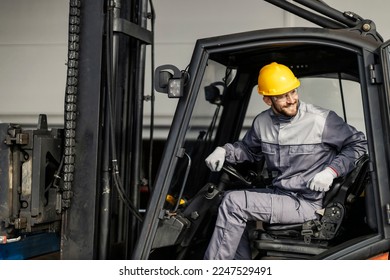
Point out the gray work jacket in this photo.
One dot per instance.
(299, 147)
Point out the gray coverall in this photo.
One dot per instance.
(296, 148)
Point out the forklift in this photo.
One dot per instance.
(101, 191)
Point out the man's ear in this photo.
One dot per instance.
(267, 100)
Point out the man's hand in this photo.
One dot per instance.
(216, 159)
(322, 181)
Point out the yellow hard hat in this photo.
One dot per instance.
(276, 79)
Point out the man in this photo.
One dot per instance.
(307, 146)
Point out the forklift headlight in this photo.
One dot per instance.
(168, 79)
(175, 88)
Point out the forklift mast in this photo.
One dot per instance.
(103, 127)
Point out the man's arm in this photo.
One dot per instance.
(350, 143)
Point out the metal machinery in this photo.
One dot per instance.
(29, 191)
(75, 192)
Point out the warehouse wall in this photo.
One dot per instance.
(33, 46)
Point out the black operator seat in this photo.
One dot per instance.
(311, 237)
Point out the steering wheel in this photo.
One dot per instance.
(228, 168)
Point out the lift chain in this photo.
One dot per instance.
(71, 100)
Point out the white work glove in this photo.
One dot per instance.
(216, 159)
(322, 181)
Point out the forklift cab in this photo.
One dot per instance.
(339, 69)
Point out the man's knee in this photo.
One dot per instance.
(234, 199)
(231, 209)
